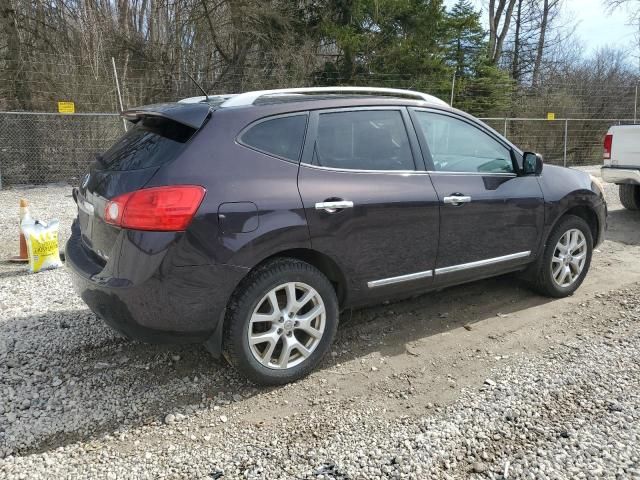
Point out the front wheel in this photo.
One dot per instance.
(566, 258)
(281, 323)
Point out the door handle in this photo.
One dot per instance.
(456, 199)
(334, 205)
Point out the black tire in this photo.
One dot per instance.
(543, 281)
(250, 292)
(630, 196)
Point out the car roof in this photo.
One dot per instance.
(292, 100)
(194, 111)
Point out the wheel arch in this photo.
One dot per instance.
(327, 266)
(588, 214)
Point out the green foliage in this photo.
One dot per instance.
(409, 44)
(481, 87)
(384, 42)
(487, 91)
(466, 42)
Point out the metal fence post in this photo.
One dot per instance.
(635, 106)
(566, 129)
(115, 75)
(1, 162)
(453, 86)
(505, 127)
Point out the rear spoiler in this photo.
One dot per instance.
(190, 114)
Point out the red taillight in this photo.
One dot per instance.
(608, 140)
(158, 208)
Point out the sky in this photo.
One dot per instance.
(594, 25)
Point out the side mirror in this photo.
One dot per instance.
(532, 164)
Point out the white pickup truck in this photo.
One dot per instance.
(622, 163)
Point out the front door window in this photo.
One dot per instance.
(457, 146)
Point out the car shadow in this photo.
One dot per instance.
(93, 381)
(623, 226)
(17, 271)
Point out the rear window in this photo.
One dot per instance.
(151, 142)
(280, 136)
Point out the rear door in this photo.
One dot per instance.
(369, 205)
(491, 218)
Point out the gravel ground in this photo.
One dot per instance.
(485, 380)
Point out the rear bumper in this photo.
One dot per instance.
(150, 298)
(620, 175)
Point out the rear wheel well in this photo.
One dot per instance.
(589, 216)
(322, 262)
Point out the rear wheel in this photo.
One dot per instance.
(281, 323)
(561, 268)
(630, 196)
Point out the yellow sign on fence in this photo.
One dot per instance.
(551, 116)
(66, 107)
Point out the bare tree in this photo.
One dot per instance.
(515, 62)
(549, 9)
(619, 3)
(500, 11)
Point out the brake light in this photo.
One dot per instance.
(168, 208)
(608, 140)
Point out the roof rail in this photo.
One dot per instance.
(202, 98)
(248, 98)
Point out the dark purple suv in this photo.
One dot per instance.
(248, 221)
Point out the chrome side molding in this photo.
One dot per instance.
(400, 279)
(482, 263)
(451, 269)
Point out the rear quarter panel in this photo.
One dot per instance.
(235, 174)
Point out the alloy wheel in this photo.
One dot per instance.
(569, 258)
(287, 325)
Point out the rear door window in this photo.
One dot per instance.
(152, 142)
(363, 140)
(279, 136)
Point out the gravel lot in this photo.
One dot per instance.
(486, 380)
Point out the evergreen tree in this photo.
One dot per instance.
(394, 43)
(467, 39)
(481, 87)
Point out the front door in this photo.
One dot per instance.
(491, 219)
(369, 208)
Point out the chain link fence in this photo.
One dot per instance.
(40, 148)
(565, 141)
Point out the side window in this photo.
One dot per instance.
(280, 136)
(457, 146)
(363, 140)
